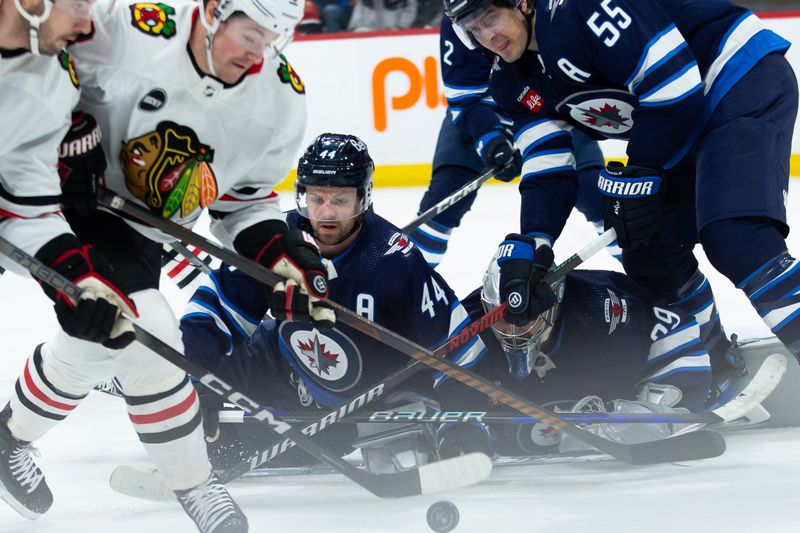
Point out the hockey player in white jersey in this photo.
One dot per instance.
(197, 111)
(38, 89)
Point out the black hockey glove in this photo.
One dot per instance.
(522, 268)
(461, 439)
(631, 202)
(95, 317)
(210, 405)
(293, 255)
(81, 164)
(497, 148)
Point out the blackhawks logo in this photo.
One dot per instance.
(169, 169)
(153, 19)
(288, 75)
(66, 62)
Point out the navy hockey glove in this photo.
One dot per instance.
(95, 317)
(631, 202)
(497, 148)
(294, 255)
(461, 439)
(81, 164)
(522, 268)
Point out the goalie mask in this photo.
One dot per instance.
(278, 17)
(334, 182)
(521, 344)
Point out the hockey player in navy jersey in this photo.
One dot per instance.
(708, 142)
(606, 342)
(471, 118)
(373, 270)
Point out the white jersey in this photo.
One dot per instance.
(177, 140)
(37, 94)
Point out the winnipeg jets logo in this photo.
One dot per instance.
(317, 357)
(399, 242)
(329, 359)
(609, 112)
(616, 311)
(608, 116)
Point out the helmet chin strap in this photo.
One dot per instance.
(34, 21)
(211, 31)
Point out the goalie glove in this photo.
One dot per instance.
(294, 255)
(97, 315)
(631, 202)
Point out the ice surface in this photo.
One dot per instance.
(752, 487)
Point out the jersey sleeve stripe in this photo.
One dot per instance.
(533, 133)
(675, 88)
(551, 161)
(659, 50)
(698, 362)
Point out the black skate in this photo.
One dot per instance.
(212, 508)
(22, 484)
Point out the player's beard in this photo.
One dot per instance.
(331, 233)
(50, 44)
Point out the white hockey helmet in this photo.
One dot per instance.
(521, 344)
(278, 16)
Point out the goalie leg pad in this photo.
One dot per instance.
(393, 447)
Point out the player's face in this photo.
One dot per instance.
(501, 30)
(67, 20)
(238, 45)
(332, 211)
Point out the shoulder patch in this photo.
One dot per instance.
(399, 242)
(288, 75)
(153, 19)
(66, 62)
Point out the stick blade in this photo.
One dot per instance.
(701, 444)
(454, 473)
(439, 476)
(145, 485)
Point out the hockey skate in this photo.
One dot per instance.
(22, 483)
(212, 508)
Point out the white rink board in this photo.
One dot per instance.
(344, 86)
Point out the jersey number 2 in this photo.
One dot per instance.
(609, 26)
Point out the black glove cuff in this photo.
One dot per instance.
(251, 241)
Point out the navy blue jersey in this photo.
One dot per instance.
(650, 71)
(381, 276)
(610, 337)
(465, 73)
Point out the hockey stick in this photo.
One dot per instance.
(140, 484)
(442, 475)
(758, 389)
(696, 445)
(451, 200)
(187, 254)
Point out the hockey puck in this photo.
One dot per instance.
(443, 516)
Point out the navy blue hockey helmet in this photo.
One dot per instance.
(459, 10)
(335, 160)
